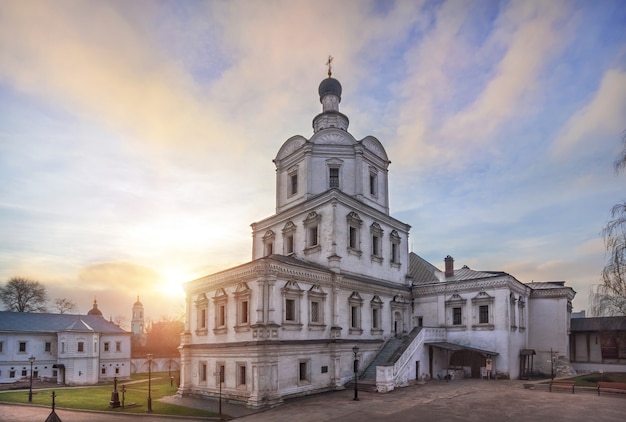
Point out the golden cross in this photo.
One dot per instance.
(329, 64)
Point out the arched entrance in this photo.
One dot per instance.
(462, 359)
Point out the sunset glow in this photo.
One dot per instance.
(137, 138)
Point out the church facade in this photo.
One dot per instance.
(331, 280)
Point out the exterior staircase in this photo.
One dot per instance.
(388, 355)
(383, 358)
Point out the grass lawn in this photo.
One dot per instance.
(591, 380)
(98, 397)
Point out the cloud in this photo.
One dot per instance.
(117, 276)
(602, 115)
(95, 61)
(495, 85)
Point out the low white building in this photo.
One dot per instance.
(71, 349)
(331, 272)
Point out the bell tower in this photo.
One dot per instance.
(137, 322)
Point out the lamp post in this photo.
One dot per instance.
(220, 374)
(355, 350)
(31, 359)
(149, 356)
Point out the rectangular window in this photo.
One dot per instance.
(203, 372)
(354, 316)
(334, 177)
(22, 346)
(289, 244)
(62, 347)
(242, 375)
(290, 310)
(117, 370)
(1, 346)
(303, 376)
(48, 347)
(106, 346)
(118, 346)
(294, 184)
(375, 243)
(312, 236)
(483, 314)
(35, 374)
(375, 318)
(81, 346)
(244, 312)
(324, 369)
(456, 316)
(373, 184)
(394, 252)
(353, 239)
(221, 320)
(24, 373)
(11, 374)
(315, 312)
(103, 371)
(203, 318)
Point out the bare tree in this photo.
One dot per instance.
(24, 295)
(64, 306)
(609, 298)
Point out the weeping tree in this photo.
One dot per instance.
(609, 298)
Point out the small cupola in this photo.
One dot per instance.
(95, 310)
(330, 97)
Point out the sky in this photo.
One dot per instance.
(137, 138)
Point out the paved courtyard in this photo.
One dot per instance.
(459, 400)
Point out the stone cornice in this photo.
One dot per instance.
(559, 292)
(326, 198)
(274, 269)
(471, 285)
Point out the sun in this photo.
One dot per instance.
(172, 280)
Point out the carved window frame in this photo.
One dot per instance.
(220, 302)
(376, 244)
(355, 321)
(292, 181)
(202, 315)
(312, 229)
(394, 249)
(289, 238)
(268, 243)
(292, 291)
(373, 182)
(376, 307)
(243, 295)
(483, 299)
(317, 295)
(354, 233)
(456, 301)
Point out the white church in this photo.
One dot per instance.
(331, 279)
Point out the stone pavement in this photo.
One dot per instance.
(458, 400)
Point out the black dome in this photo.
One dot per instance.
(330, 86)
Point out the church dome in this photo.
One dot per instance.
(95, 310)
(330, 86)
(138, 303)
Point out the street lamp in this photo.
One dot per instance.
(220, 374)
(355, 350)
(31, 359)
(149, 356)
